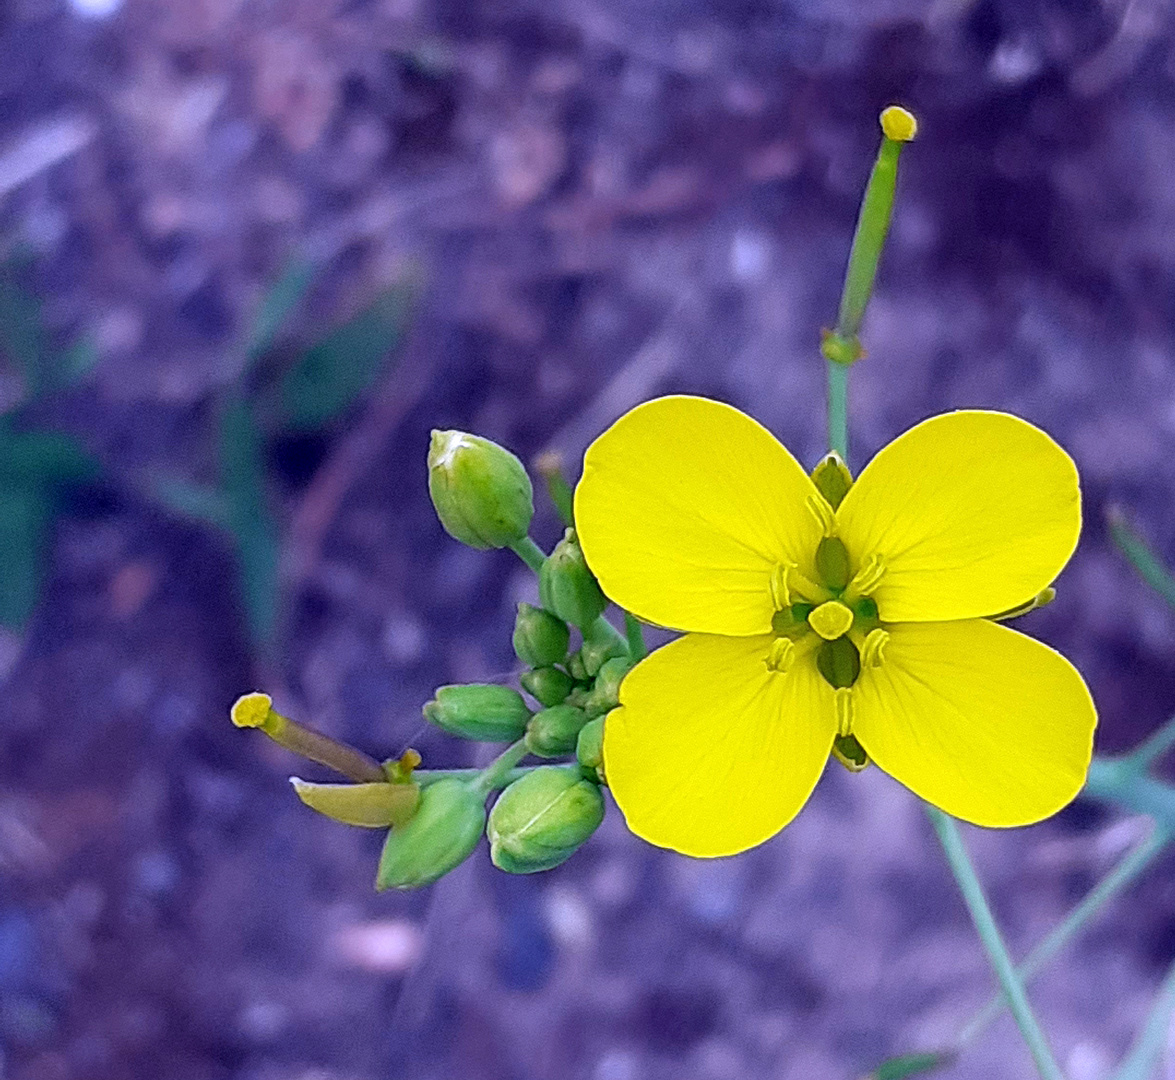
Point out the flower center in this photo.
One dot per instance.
(830, 620)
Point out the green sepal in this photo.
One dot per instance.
(567, 587)
(832, 478)
(601, 643)
(479, 711)
(540, 638)
(850, 753)
(605, 694)
(480, 490)
(540, 820)
(548, 685)
(576, 667)
(555, 730)
(372, 806)
(441, 835)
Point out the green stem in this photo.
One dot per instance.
(1139, 1063)
(997, 953)
(838, 408)
(529, 552)
(424, 777)
(636, 637)
(1117, 780)
(495, 774)
(1153, 747)
(550, 468)
(1141, 556)
(1113, 883)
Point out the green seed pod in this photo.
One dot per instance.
(589, 747)
(605, 695)
(440, 836)
(540, 638)
(547, 684)
(540, 820)
(479, 711)
(373, 806)
(832, 478)
(601, 643)
(567, 587)
(480, 491)
(554, 731)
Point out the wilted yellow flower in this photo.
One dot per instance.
(806, 621)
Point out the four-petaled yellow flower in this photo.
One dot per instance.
(805, 620)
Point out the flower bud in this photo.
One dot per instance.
(540, 638)
(540, 820)
(832, 478)
(600, 643)
(576, 667)
(480, 491)
(547, 684)
(479, 711)
(440, 836)
(589, 747)
(605, 695)
(554, 731)
(373, 806)
(567, 587)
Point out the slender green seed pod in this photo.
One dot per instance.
(479, 711)
(480, 490)
(372, 806)
(554, 731)
(441, 835)
(567, 587)
(540, 820)
(548, 685)
(540, 638)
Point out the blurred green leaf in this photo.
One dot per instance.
(74, 362)
(193, 501)
(22, 335)
(284, 295)
(249, 518)
(24, 520)
(33, 458)
(332, 375)
(912, 1065)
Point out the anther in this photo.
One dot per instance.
(782, 655)
(818, 507)
(865, 580)
(780, 594)
(830, 620)
(843, 699)
(873, 650)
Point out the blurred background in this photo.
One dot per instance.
(251, 252)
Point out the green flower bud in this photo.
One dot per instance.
(567, 587)
(554, 731)
(601, 642)
(832, 478)
(373, 806)
(589, 747)
(576, 667)
(540, 638)
(540, 820)
(547, 684)
(480, 491)
(605, 695)
(479, 711)
(440, 836)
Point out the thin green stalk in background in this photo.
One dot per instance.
(993, 943)
(1140, 1062)
(1141, 556)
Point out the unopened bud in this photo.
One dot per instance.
(832, 478)
(576, 666)
(479, 711)
(373, 806)
(605, 695)
(540, 820)
(548, 685)
(540, 638)
(555, 730)
(567, 587)
(589, 747)
(440, 836)
(480, 490)
(601, 642)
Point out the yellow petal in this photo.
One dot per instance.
(985, 723)
(685, 507)
(972, 512)
(710, 753)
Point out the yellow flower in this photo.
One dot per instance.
(805, 620)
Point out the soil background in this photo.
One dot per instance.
(598, 202)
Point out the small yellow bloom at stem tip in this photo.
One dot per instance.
(899, 124)
(251, 710)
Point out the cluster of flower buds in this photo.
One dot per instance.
(574, 661)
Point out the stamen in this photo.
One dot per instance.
(830, 620)
(789, 586)
(873, 651)
(844, 710)
(818, 507)
(865, 580)
(780, 594)
(782, 655)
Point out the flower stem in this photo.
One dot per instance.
(1139, 1063)
(1113, 883)
(529, 552)
(495, 775)
(997, 953)
(635, 636)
